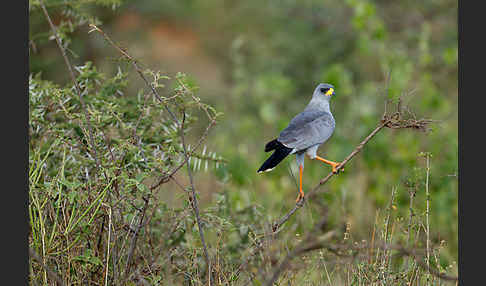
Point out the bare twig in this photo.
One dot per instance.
(137, 68)
(51, 273)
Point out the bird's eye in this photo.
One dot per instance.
(324, 90)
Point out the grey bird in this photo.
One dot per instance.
(304, 134)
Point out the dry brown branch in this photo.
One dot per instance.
(277, 225)
(137, 68)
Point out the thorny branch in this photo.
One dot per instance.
(76, 85)
(187, 155)
(125, 54)
(137, 68)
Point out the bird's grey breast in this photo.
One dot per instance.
(307, 129)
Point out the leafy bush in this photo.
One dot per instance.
(118, 156)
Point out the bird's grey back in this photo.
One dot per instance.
(308, 128)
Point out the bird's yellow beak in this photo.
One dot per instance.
(330, 92)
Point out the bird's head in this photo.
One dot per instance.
(324, 91)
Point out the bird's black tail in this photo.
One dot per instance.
(278, 155)
(272, 145)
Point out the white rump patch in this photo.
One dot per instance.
(267, 170)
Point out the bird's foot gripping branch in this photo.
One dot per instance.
(401, 118)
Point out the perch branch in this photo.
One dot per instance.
(277, 225)
(392, 121)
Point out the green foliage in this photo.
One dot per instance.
(88, 192)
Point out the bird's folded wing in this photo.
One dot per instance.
(307, 129)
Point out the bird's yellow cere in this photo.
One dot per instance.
(330, 91)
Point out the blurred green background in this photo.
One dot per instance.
(259, 61)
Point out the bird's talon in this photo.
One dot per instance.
(335, 170)
(300, 197)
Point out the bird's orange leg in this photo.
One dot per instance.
(301, 192)
(333, 164)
